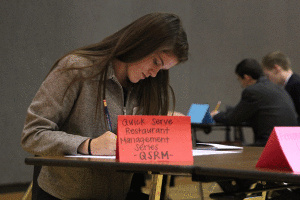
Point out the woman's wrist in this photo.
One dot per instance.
(83, 147)
(89, 147)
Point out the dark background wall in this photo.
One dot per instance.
(34, 34)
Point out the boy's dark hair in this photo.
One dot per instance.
(250, 67)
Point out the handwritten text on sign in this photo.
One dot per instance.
(154, 138)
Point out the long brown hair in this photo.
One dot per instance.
(134, 42)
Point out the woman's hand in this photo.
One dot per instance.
(104, 144)
(170, 113)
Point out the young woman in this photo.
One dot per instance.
(129, 70)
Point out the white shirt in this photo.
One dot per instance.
(287, 79)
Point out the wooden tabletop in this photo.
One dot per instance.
(159, 167)
(240, 165)
(235, 165)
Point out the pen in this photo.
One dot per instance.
(107, 116)
(207, 148)
(201, 146)
(217, 106)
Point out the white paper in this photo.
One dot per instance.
(197, 152)
(90, 156)
(208, 149)
(218, 146)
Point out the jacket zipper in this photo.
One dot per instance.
(124, 108)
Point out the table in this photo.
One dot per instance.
(207, 128)
(156, 169)
(240, 165)
(205, 168)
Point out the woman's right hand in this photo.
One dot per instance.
(104, 144)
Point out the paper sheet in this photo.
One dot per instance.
(213, 146)
(197, 152)
(89, 156)
(206, 149)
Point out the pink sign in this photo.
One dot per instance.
(282, 150)
(154, 138)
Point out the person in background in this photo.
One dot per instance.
(277, 67)
(263, 104)
(130, 70)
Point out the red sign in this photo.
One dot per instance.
(282, 150)
(154, 138)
